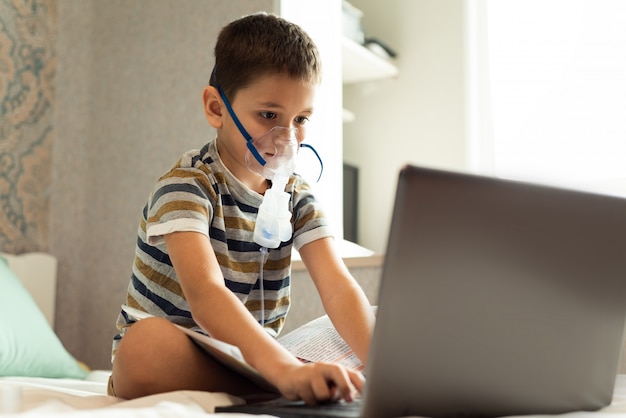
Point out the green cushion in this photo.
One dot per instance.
(28, 346)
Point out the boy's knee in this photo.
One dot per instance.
(142, 349)
(148, 337)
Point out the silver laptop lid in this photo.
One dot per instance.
(497, 298)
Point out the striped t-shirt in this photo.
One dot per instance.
(200, 194)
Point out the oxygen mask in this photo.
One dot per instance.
(274, 153)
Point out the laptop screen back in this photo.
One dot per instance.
(497, 298)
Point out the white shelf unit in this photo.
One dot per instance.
(359, 65)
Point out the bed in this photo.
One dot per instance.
(39, 378)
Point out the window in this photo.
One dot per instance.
(550, 81)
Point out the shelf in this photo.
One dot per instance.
(360, 64)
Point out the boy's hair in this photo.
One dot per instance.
(259, 44)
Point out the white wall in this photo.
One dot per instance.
(420, 116)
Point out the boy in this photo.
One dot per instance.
(196, 261)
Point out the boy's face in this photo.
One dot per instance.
(271, 100)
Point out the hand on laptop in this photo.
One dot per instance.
(320, 382)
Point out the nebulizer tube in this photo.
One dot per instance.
(264, 254)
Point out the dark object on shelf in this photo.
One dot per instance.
(379, 47)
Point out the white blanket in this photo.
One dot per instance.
(41, 397)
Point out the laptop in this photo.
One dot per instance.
(497, 298)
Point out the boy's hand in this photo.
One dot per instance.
(319, 382)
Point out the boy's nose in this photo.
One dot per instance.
(288, 131)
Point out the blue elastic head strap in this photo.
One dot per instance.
(243, 131)
(303, 145)
(248, 137)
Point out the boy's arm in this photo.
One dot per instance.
(342, 297)
(217, 310)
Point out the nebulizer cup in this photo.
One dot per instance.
(277, 150)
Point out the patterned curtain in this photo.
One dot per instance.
(27, 67)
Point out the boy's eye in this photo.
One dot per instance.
(268, 115)
(302, 120)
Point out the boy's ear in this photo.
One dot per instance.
(213, 106)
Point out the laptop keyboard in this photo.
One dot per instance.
(299, 409)
(352, 409)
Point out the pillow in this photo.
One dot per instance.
(28, 346)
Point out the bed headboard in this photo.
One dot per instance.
(38, 273)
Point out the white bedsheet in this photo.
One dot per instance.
(52, 398)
